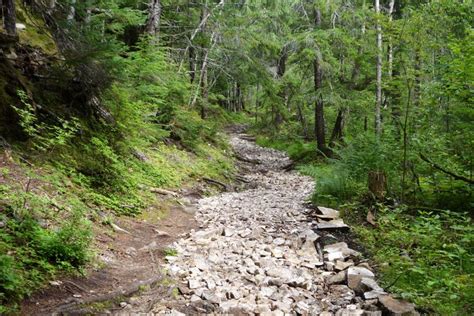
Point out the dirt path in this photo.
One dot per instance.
(258, 250)
(263, 251)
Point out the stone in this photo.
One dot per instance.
(233, 294)
(397, 307)
(309, 235)
(355, 275)
(20, 26)
(194, 284)
(327, 213)
(329, 266)
(211, 285)
(350, 311)
(228, 232)
(123, 304)
(201, 264)
(279, 241)
(343, 265)
(211, 297)
(245, 233)
(332, 224)
(277, 253)
(284, 306)
(336, 255)
(228, 306)
(302, 307)
(371, 295)
(340, 247)
(338, 278)
(368, 284)
(372, 313)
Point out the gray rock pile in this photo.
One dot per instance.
(258, 253)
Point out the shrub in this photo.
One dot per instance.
(426, 258)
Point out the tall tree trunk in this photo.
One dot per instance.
(192, 64)
(281, 69)
(319, 124)
(390, 44)
(152, 25)
(302, 120)
(9, 16)
(72, 12)
(337, 132)
(378, 94)
(204, 86)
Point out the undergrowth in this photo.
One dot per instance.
(74, 172)
(425, 257)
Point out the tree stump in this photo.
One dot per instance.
(377, 184)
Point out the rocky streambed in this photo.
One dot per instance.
(261, 251)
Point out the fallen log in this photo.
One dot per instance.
(221, 184)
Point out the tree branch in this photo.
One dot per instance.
(452, 174)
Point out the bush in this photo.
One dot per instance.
(334, 186)
(427, 258)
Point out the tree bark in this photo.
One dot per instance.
(152, 25)
(72, 12)
(281, 69)
(319, 123)
(377, 184)
(378, 94)
(9, 16)
(192, 64)
(337, 132)
(390, 45)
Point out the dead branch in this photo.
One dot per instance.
(452, 174)
(221, 184)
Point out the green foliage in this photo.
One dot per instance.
(426, 258)
(170, 252)
(334, 186)
(44, 136)
(33, 253)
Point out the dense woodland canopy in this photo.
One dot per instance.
(372, 98)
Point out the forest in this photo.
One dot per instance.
(114, 113)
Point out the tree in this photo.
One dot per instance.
(152, 25)
(378, 93)
(319, 123)
(9, 16)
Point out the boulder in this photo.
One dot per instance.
(355, 275)
(332, 224)
(327, 213)
(343, 265)
(338, 278)
(397, 307)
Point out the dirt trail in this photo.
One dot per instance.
(262, 250)
(258, 250)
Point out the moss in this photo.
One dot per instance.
(36, 33)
